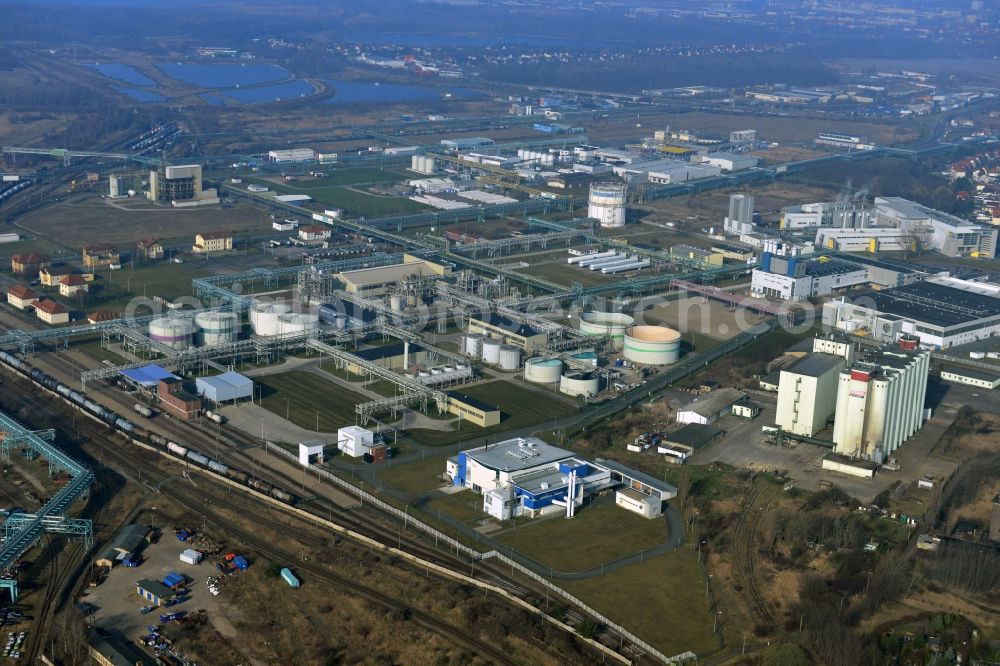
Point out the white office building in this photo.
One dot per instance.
(951, 236)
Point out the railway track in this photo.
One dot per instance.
(743, 550)
(194, 499)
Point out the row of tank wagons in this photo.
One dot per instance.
(138, 432)
(230, 472)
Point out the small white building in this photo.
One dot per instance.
(311, 453)
(647, 506)
(354, 440)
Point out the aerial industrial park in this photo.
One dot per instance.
(469, 369)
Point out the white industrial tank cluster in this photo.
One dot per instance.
(216, 328)
(510, 358)
(421, 164)
(586, 384)
(472, 345)
(293, 322)
(543, 158)
(491, 351)
(176, 333)
(607, 203)
(652, 345)
(540, 370)
(606, 323)
(264, 317)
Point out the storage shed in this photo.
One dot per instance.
(227, 387)
(154, 592)
(708, 409)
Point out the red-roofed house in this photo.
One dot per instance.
(21, 297)
(98, 316)
(29, 264)
(71, 285)
(51, 312)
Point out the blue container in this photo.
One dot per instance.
(240, 562)
(289, 577)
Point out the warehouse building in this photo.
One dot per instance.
(951, 236)
(467, 408)
(227, 387)
(647, 506)
(129, 539)
(871, 239)
(375, 282)
(176, 401)
(975, 378)
(708, 409)
(692, 436)
(291, 155)
(154, 592)
(941, 311)
(795, 280)
(880, 402)
(510, 332)
(807, 393)
(729, 162)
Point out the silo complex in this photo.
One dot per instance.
(606, 323)
(652, 345)
(510, 358)
(293, 323)
(491, 352)
(607, 204)
(174, 333)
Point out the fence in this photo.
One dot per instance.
(440, 536)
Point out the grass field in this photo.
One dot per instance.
(354, 201)
(465, 506)
(415, 478)
(338, 177)
(93, 347)
(519, 406)
(662, 600)
(301, 395)
(562, 273)
(604, 533)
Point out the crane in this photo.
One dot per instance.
(67, 155)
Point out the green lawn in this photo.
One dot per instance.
(519, 406)
(415, 478)
(93, 347)
(601, 534)
(301, 395)
(661, 600)
(354, 202)
(465, 506)
(335, 177)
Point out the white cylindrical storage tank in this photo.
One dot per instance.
(293, 323)
(397, 302)
(510, 358)
(264, 317)
(606, 323)
(174, 333)
(491, 351)
(652, 345)
(415, 162)
(474, 345)
(607, 204)
(586, 384)
(216, 328)
(430, 165)
(543, 370)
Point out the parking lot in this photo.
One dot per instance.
(118, 604)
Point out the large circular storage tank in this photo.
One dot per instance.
(588, 357)
(264, 317)
(174, 333)
(652, 345)
(216, 328)
(606, 323)
(491, 351)
(607, 204)
(472, 345)
(586, 384)
(293, 323)
(510, 357)
(543, 370)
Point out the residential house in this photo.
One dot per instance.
(149, 249)
(99, 316)
(71, 285)
(21, 297)
(51, 276)
(212, 241)
(99, 255)
(51, 312)
(29, 263)
(315, 232)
